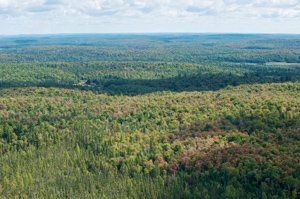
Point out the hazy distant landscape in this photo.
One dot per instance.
(152, 62)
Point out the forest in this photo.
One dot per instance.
(150, 116)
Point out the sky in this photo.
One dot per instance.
(149, 16)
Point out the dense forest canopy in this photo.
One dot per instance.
(150, 116)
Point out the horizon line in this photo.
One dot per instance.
(149, 33)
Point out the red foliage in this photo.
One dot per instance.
(173, 168)
(189, 179)
(198, 165)
(181, 159)
(170, 178)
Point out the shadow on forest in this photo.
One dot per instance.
(196, 82)
(199, 82)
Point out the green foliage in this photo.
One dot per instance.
(144, 134)
(96, 145)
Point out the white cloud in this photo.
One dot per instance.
(64, 15)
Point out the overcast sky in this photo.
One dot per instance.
(139, 16)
